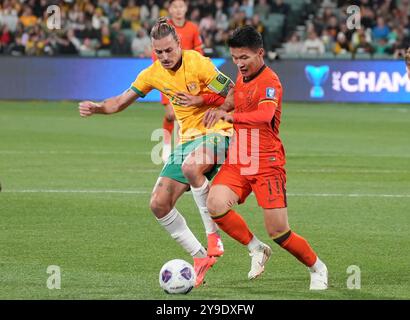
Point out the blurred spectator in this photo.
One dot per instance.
(342, 45)
(5, 38)
(141, 45)
(363, 46)
(27, 18)
(293, 45)
(207, 24)
(262, 9)
(209, 50)
(129, 14)
(313, 44)
(99, 19)
(87, 48)
(120, 45)
(221, 19)
(257, 24)
(9, 16)
(381, 30)
(105, 40)
(247, 8)
(278, 6)
(17, 48)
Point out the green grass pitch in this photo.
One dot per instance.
(76, 193)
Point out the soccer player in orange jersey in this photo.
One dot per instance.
(256, 160)
(190, 40)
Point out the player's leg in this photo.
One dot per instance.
(271, 195)
(228, 189)
(164, 196)
(198, 166)
(168, 127)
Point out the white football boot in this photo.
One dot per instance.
(260, 255)
(318, 276)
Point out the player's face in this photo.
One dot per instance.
(168, 51)
(177, 10)
(247, 60)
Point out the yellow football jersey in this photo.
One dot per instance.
(197, 75)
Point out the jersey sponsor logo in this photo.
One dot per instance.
(270, 93)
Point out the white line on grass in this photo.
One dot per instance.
(352, 195)
(290, 154)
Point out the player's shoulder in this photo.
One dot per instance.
(191, 25)
(154, 68)
(194, 57)
(269, 76)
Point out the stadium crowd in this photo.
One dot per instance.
(121, 27)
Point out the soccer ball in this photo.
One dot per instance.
(177, 276)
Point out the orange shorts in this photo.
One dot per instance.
(269, 188)
(164, 99)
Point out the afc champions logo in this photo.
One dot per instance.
(317, 77)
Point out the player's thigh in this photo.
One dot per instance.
(270, 190)
(276, 221)
(198, 161)
(165, 194)
(205, 154)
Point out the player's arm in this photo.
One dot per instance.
(108, 106)
(207, 99)
(216, 81)
(212, 116)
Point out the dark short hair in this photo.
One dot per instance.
(246, 37)
(162, 29)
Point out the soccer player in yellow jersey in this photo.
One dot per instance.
(183, 76)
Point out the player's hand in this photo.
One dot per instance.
(87, 108)
(212, 116)
(189, 100)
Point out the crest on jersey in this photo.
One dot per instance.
(270, 93)
(192, 86)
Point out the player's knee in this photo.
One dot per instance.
(276, 231)
(216, 206)
(159, 207)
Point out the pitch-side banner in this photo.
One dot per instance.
(380, 81)
(55, 78)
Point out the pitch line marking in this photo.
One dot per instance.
(348, 195)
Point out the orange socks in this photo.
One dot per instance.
(235, 226)
(168, 127)
(298, 247)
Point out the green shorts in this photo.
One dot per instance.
(215, 141)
